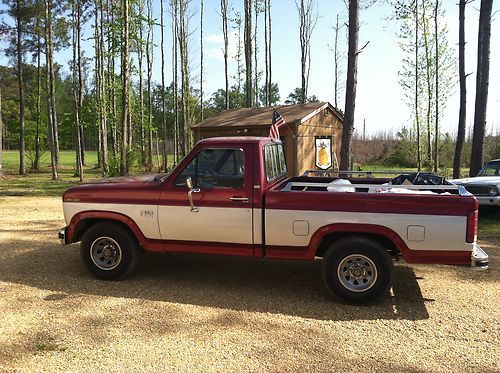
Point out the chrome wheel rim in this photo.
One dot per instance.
(357, 273)
(106, 254)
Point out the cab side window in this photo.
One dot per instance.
(215, 168)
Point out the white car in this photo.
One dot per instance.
(486, 185)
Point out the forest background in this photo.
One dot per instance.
(126, 79)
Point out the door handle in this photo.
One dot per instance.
(239, 199)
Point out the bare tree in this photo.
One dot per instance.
(308, 18)
(336, 61)
(77, 83)
(223, 11)
(268, 60)
(183, 48)
(201, 60)
(457, 160)
(436, 72)
(350, 96)
(482, 78)
(417, 114)
(125, 88)
(163, 101)
(20, 53)
(175, 77)
(149, 63)
(248, 53)
(1, 135)
(51, 105)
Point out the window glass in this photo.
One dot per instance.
(490, 169)
(215, 168)
(274, 158)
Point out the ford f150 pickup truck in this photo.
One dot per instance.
(231, 196)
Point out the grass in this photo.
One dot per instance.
(489, 221)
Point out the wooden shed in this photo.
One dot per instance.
(310, 130)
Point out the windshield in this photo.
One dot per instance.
(490, 169)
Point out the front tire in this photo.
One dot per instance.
(109, 251)
(357, 270)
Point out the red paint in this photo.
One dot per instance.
(472, 220)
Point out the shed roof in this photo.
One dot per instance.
(262, 116)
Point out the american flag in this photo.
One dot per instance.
(277, 122)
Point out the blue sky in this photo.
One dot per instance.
(379, 97)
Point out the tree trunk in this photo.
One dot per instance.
(175, 58)
(336, 62)
(350, 97)
(436, 61)
(223, 10)
(183, 44)
(149, 62)
(201, 60)
(163, 106)
(77, 90)
(53, 135)
(248, 53)
(140, 57)
(255, 53)
(482, 79)
(22, 163)
(429, 84)
(270, 81)
(1, 135)
(125, 89)
(417, 113)
(36, 160)
(457, 159)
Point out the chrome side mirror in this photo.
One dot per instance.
(189, 183)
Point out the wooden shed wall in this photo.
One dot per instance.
(323, 124)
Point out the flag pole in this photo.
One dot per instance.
(286, 124)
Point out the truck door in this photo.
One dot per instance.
(214, 213)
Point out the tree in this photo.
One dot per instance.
(267, 45)
(163, 103)
(482, 79)
(1, 136)
(350, 96)
(223, 11)
(457, 159)
(297, 97)
(77, 83)
(201, 60)
(183, 48)
(125, 89)
(249, 96)
(308, 19)
(51, 96)
(19, 27)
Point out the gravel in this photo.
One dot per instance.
(209, 313)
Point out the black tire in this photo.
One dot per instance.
(357, 270)
(109, 251)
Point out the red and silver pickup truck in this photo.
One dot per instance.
(231, 196)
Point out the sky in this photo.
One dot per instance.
(379, 97)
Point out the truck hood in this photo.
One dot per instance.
(117, 189)
(480, 180)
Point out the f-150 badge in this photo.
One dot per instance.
(147, 214)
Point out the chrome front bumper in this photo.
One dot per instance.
(488, 200)
(62, 235)
(479, 259)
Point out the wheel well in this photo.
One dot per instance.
(331, 238)
(86, 224)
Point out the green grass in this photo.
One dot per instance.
(489, 221)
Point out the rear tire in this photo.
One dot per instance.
(109, 251)
(357, 270)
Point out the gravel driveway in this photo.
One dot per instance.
(208, 313)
